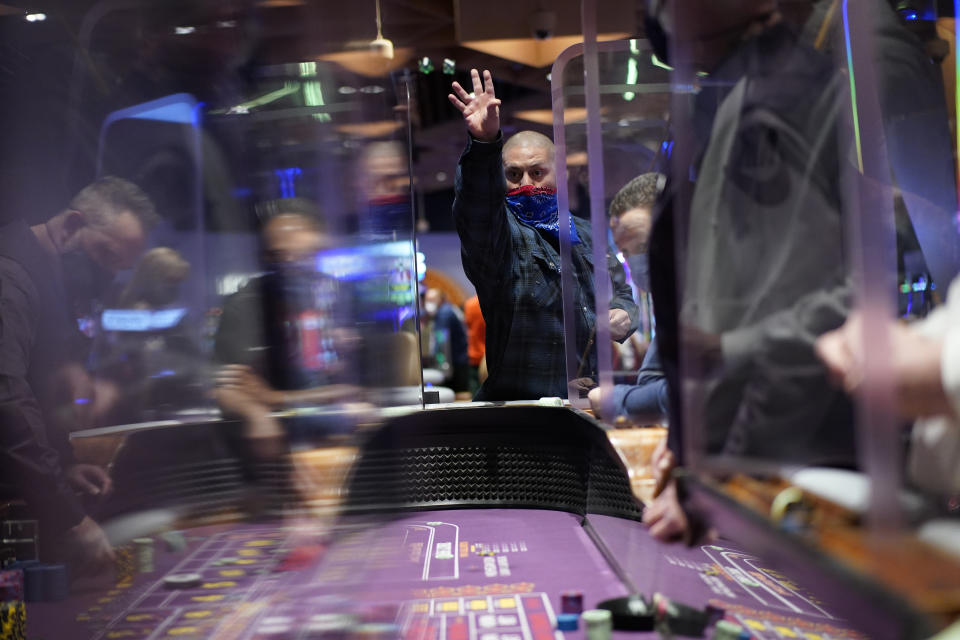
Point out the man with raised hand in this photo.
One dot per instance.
(505, 209)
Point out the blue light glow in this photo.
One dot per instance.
(287, 179)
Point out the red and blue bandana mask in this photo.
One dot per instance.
(537, 207)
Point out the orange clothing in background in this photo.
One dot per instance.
(476, 330)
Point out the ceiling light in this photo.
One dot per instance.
(377, 129)
(571, 115)
(381, 45)
(539, 40)
(346, 91)
(182, 31)
(372, 89)
(35, 17)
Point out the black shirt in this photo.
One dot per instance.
(35, 331)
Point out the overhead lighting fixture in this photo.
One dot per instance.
(571, 115)
(381, 45)
(539, 39)
(368, 63)
(346, 90)
(371, 58)
(35, 17)
(377, 129)
(183, 31)
(372, 89)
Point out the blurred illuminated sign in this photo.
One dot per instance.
(141, 319)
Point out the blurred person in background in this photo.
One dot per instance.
(925, 367)
(48, 274)
(505, 209)
(630, 221)
(384, 182)
(476, 340)
(279, 344)
(149, 357)
(760, 271)
(446, 329)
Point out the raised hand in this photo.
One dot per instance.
(481, 110)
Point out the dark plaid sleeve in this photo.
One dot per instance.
(480, 214)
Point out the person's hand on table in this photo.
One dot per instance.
(90, 550)
(595, 396)
(233, 401)
(245, 381)
(662, 462)
(90, 479)
(665, 518)
(481, 110)
(702, 347)
(619, 324)
(915, 364)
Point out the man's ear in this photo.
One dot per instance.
(73, 222)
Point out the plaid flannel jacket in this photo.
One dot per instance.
(516, 271)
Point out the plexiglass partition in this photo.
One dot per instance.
(220, 265)
(633, 121)
(806, 199)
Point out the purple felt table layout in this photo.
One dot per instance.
(485, 574)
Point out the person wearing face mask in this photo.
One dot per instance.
(505, 209)
(630, 218)
(280, 344)
(48, 273)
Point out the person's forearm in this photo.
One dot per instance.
(318, 395)
(36, 469)
(480, 214)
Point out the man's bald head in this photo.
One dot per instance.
(528, 159)
(528, 138)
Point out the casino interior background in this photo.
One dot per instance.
(383, 503)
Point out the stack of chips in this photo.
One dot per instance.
(124, 563)
(11, 584)
(174, 541)
(599, 624)
(144, 553)
(568, 622)
(13, 621)
(726, 630)
(571, 602)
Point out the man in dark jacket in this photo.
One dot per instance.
(505, 209)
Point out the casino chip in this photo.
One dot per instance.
(599, 624)
(568, 622)
(183, 581)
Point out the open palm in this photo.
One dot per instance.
(481, 110)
